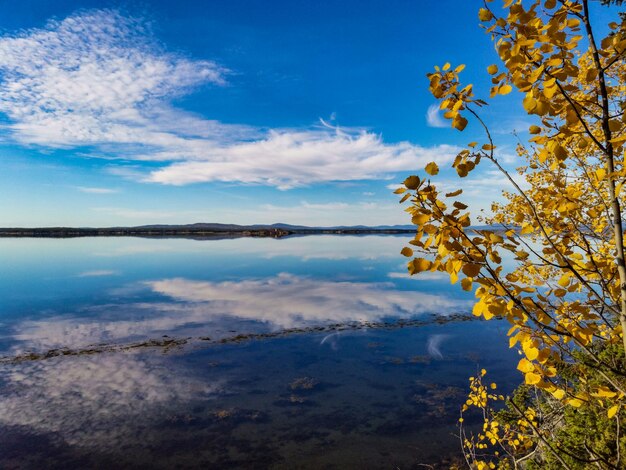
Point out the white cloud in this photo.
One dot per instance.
(88, 190)
(386, 212)
(134, 214)
(325, 206)
(424, 276)
(433, 117)
(98, 273)
(92, 78)
(287, 159)
(98, 82)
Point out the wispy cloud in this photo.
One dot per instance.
(98, 82)
(88, 190)
(129, 213)
(334, 213)
(92, 78)
(424, 276)
(287, 158)
(433, 117)
(98, 273)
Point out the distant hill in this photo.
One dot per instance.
(280, 226)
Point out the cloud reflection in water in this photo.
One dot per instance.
(205, 307)
(93, 400)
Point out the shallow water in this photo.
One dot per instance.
(309, 352)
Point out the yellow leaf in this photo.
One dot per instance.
(418, 265)
(560, 153)
(527, 228)
(530, 350)
(459, 122)
(492, 69)
(505, 89)
(532, 379)
(525, 366)
(575, 402)
(564, 280)
(612, 411)
(604, 392)
(534, 129)
(420, 219)
(529, 104)
(471, 270)
(446, 66)
(615, 126)
(559, 394)
(406, 251)
(412, 182)
(484, 14)
(432, 168)
(454, 193)
(479, 308)
(466, 283)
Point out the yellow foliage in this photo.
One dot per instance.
(432, 168)
(565, 291)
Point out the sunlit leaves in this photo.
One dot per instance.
(548, 264)
(412, 182)
(419, 265)
(406, 251)
(484, 14)
(454, 193)
(459, 122)
(505, 89)
(432, 168)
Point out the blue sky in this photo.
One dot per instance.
(129, 113)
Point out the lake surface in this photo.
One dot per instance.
(305, 352)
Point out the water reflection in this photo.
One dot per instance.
(373, 398)
(370, 399)
(205, 308)
(94, 400)
(286, 300)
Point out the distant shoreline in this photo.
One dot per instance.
(193, 232)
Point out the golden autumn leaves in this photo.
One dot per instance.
(562, 293)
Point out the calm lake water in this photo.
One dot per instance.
(306, 352)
